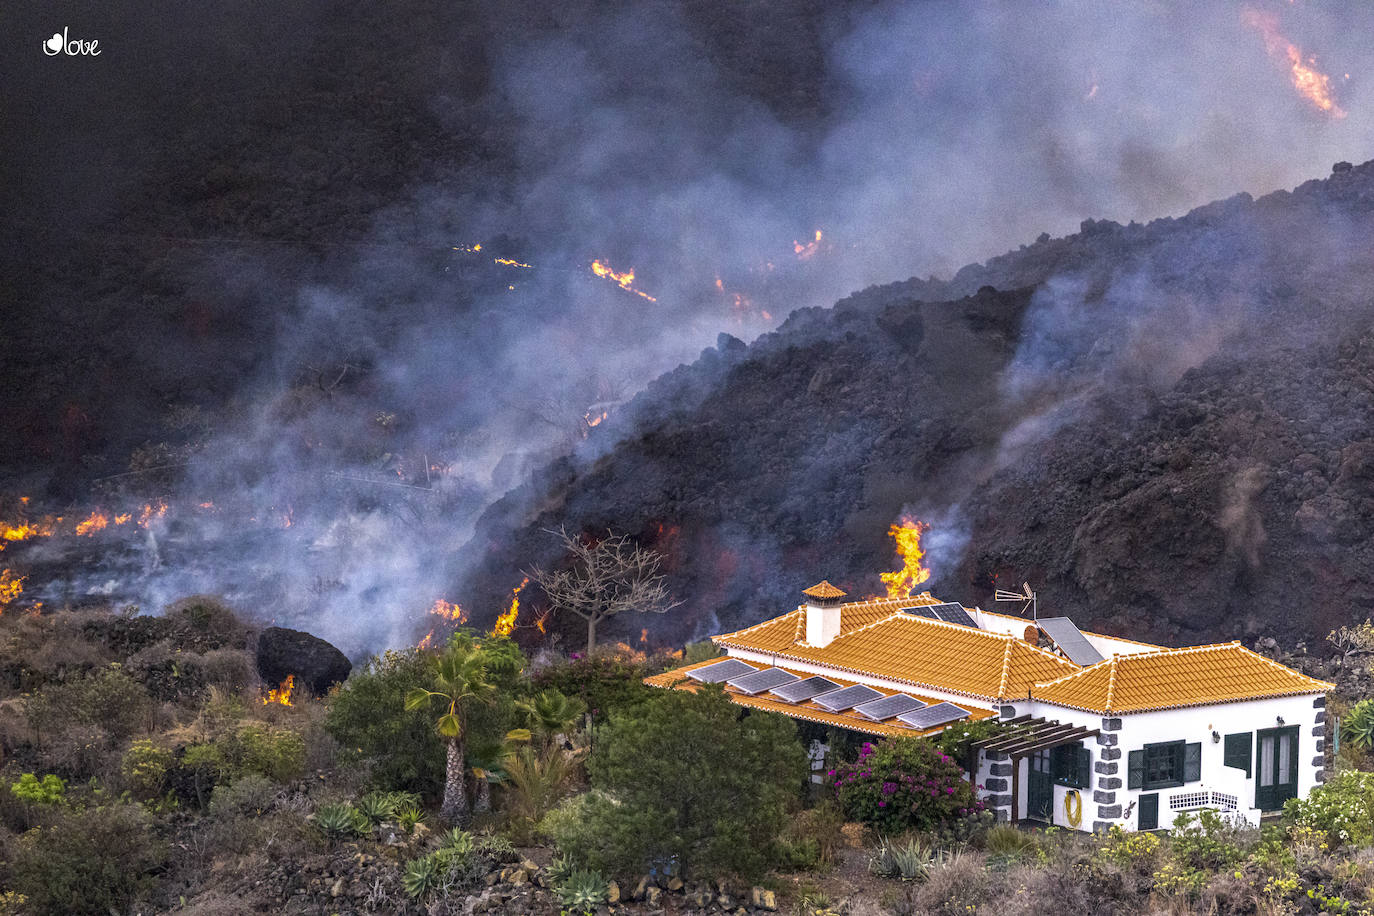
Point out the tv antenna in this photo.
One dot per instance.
(1025, 595)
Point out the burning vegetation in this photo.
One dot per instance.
(281, 694)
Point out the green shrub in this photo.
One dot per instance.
(247, 796)
(277, 753)
(369, 720)
(94, 861)
(144, 768)
(199, 770)
(108, 699)
(421, 877)
(377, 806)
(50, 790)
(1342, 809)
(903, 784)
(957, 740)
(605, 681)
(582, 892)
(1205, 841)
(683, 779)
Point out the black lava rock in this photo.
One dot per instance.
(315, 663)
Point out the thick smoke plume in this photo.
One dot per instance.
(743, 164)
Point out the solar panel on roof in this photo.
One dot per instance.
(845, 697)
(801, 691)
(952, 612)
(1070, 640)
(720, 671)
(763, 680)
(931, 716)
(920, 610)
(887, 707)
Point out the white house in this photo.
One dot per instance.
(1101, 730)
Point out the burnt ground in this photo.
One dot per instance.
(1166, 429)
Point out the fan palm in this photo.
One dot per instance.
(460, 681)
(552, 713)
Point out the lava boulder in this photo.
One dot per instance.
(315, 663)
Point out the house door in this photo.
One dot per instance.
(1276, 776)
(1039, 787)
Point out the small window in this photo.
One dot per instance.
(1164, 765)
(1070, 764)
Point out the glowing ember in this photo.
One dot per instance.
(1310, 82)
(624, 280)
(507, 262)
(808, 251)
(542, 622)
(11, 587)
(23, 530)
(448, 611)
(427, 641)
(281, 694)
(908, 537)
(123, 519)
(96, 521)
(595, 419)
(644, 636)
(505, 624)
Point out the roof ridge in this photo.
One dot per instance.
(1275, 664)
(1111, 684)
(1006, 670)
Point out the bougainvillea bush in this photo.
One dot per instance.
(903, 784)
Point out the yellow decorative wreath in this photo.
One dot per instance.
(1073, 807)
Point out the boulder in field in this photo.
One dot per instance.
(316, 664)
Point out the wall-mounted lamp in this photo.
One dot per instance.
(1216, 737)
(1280, 719)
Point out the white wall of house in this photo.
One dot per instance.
(1108, 800)
(1107, 646)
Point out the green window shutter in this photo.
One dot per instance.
(1147, 818)
(1135, 769)
(1237, 751)
(1192, 762)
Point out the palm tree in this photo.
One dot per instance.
(460, 676)
(552, 713)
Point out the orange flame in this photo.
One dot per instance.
(448, 611)
(624, 280)
(151, 512)
(1310, 82)
(281, 694)
(426, 642)
(25, 529)
(11, 587)
(96, 521)
(644, 636)
(908, 537)
(507, 262)
(542, 622)
(123, 519)
(595, 420)
(505, 624)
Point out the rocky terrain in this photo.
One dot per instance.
(1163, 427)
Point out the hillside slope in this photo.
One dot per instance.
(1164, 427)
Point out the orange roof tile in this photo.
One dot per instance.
(824, 589)
(810, 712)
(1169, 678)
(912, 650)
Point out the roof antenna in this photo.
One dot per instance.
(1026, 595)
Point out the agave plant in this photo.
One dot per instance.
(582, 891)
(377, 806)
(560, 868)
(422, 877)
(1357, 725)
(457, 842)
(909, 861)
(408, 815)
(340, 820)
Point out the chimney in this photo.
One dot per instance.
(822, 614)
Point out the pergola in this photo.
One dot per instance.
(1030, 735)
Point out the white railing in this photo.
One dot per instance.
(1194, 799)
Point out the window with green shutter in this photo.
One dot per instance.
(1070, 764)
(1237, 751)
(1164, 765)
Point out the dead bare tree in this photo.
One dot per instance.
(602, 578)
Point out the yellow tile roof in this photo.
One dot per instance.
(810, 712)
(824, 589)
(924, 653)
(1169, 678)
